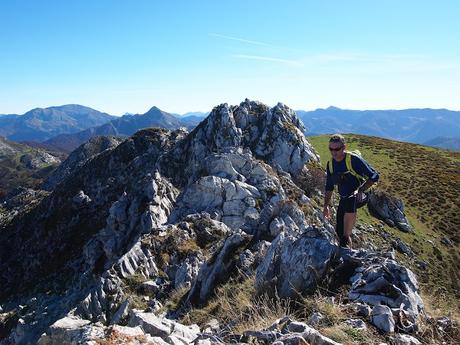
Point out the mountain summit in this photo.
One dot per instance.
(40, 124)
(169, 210)
(122, 126)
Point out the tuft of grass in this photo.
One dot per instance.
(188, 246)
(333, 313)
(237, 305)
(348, 335)
(440, 305)
(355, 334)
(311, 179)
(174, 299)
(137, 302)
(134, 281)
(135, 296)
(431, 333)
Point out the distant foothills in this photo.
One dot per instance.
(63, 128)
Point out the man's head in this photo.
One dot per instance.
(337, 146)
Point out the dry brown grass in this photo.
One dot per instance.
(113, 337)
(311, 179)
(174, 299)
(133, 291)
(237, 306)
(437, 306)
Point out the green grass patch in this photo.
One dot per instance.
(133, 291)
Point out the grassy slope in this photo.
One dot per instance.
(14, 173)
(428, 182)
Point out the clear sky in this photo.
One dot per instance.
(127, 56)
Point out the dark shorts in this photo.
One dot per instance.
(346, 205)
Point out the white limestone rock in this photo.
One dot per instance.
(294, 265)
(382, 318)
(71, 330)
(405, 339)
(166, 329)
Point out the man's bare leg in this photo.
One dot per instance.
(349, 221)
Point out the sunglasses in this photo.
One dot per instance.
(336, 149)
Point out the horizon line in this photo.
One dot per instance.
(208, 111)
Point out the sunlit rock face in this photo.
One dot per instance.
(123, 228)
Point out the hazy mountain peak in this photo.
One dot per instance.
(331, 107)
(153, 110)
(40, 124)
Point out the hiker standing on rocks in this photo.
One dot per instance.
(353, 176)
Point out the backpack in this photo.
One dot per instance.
(348, 164)
(352, 171)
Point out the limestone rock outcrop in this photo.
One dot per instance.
(78, 158)
(390, 209)
(131, 223)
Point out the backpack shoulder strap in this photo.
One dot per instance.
(348, 156)
(330, 166)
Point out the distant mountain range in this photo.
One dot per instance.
(40, 124)
(122, 126)
(411, 125)
(199, 114)
(443, 142)
(66, 127)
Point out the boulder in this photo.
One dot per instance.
(402, 247)
(291, 339)
(379, 280)
(187, 272)
(168, 330)
(71, 330)
(382, 318)
(405, 339)
(315, 319)
(362, 309)
(312, 336)
(218, 268)
(294, 264)
(390, 209)
(356, 323)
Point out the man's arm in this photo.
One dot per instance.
(360, 191)
(329, 187)
(327, 200)
(364, 169)
(365, 186)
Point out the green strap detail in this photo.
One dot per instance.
(350, 166)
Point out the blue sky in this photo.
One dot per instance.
(127, 56)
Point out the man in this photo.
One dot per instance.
(353, 175)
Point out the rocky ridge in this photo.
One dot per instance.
(78, 158)
(168, 210)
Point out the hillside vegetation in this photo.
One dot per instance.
(428, 181)
(23, 166)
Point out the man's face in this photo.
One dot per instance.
(337, 150)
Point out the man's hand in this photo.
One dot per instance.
(327, 212)
(359, 196)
